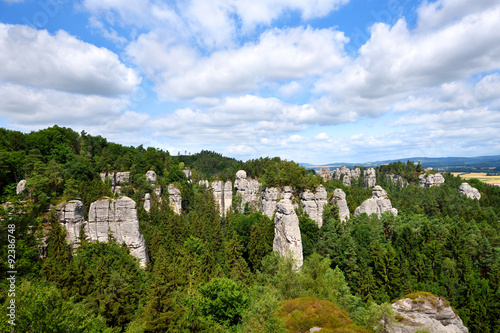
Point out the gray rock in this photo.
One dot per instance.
(313, 204)
(174, 196)
(151, 176)
(469, 191)
(378, 204)
(241, 174)
(118, 218)
(287, 238)
(204, 183)
(248, 189)
(314, 329)
(71, 214)
(157, 191)
(118, 179)
(430, 180)
(270, 197)
(426, 312)
(346, 180)
(339, 199)
(396, 180)
(356, 173)
(188, 173)
(147, 202)
(21, 187)
(369, 178)
(324, 172)
(223, 196)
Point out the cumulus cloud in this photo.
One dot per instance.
(61, 62)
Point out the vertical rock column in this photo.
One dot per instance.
(174, 195)
(339, 200)
(313, 204)
(287, 238)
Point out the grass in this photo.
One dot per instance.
(478, 175)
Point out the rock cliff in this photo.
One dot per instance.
(147, 202)
(248, 189)
(430, 180)
(174, 196)
(21, 187)
(287, 238)
(313, 203)
(223, 195)
(469, 191)
(72, 217)
(396, 180)
(339, 200)
(151, 176)
(427, 313)
(118, 179)
(325, 173)
(378, 204)
(369, 178)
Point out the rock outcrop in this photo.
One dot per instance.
(349, 174)
(248, 189)
(223, 195)
(396, 180)
(378, 204)
(469, 191)
(147, 202)
(339, 200)
(426, 312)
(270, 197)
(174, 196)
(430, 180)
(369, 178)
(346, 180)
(313, 203)
(204, 183)
(188, 173)
(151, 176)
(118, 179)
(287, 238)
(355, 173)
(324, 172)
(118, 218)
(71, 214)
(21, 187)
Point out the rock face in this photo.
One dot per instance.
(431, 180)
(223, 195)
(378, 204)
(346, 180)
(204, 183)
(174, 195)
(287, 238)
(469, 191)
(247, 188)
(72, 217)
(396, 180)
(325, 173)
(188, 173)
(369, 178)
(270, 197)
(356, 173)
(21, 187)
(313, 203)
(428, 313)
(339, 200)
(119, 219)
(118, 179)
(349, 174)
(151, 176)
(147, 202)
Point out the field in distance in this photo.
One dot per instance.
(482, 176)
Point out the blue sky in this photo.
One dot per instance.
(314, 81)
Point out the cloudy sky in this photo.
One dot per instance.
(314, 81)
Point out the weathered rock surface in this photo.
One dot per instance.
(313, 204)
(151, 176)
(223, 195)
(188, 173)
(21, 187)
(72, 217)
(369, 178)
(174, 196)
(378, 204)
(428, 313)
(355, 173)
(396, 180)
(118, 179)
(248, 189)
(469, 191)
(270, 197)
(346, 180)
(147, 202)
(118, 218)
(204, 183)
(430, 180)
(339, 200)
(324, 172)
(287, 238)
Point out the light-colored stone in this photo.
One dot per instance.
(355, 173)
(287, 237)
(430, 180)
(21, 187)
(346, 180)
(157, 191)
(396, 180)
(188, 173)
(339, 199)
(151, 176)
(147, 202)
(241, 174)
(313, 204)
(174, 196)
(71, 214)
(118, 179)
(223, 196)
(248, 189)
(204, 183)
(469, 191)
(378, 204)
(324, 172)
(270, 198)
(428, 313)
(369, 178)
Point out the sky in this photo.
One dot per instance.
(314, 81)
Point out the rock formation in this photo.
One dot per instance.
(188, 173)
(346, 180)
(369, 178)
(72, 217)
(430, 180)
(270, 197)
(287, 238)
(324, 172)
(378, 203)
(469, 191)
(174, 196)
(313, 203)
(147, 202)
(355, 173)
(21, 187)
(118, 218)
(223, 195)
(247, 188)
(204, 183)
(151, 176)
(118, 179)
(396, 180)
(339, 200)
(426, 312)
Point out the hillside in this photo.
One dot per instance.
(109, 238)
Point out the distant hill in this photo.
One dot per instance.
(441, 163)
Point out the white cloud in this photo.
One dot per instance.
(322, 136)
(61, 62)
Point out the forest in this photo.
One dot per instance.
(208, 273)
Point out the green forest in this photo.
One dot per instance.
(208, 273)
